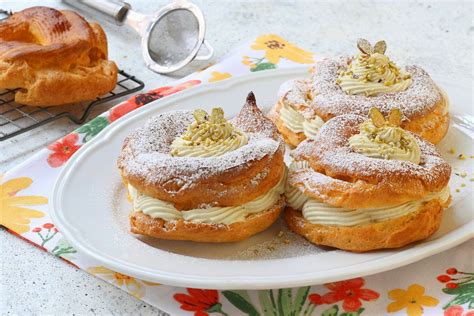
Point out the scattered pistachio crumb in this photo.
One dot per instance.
(471, 156)
(457, 190)
(463, 174)
(472, 179)
(461, 156)
(463, 185)
(451, 151)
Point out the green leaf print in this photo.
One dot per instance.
(464, 294)
(63, 249)
(331, 311)
(93, 128)
(263, 66)
(300, 299)
(357, 313)
(240, 302)
(267, 303)
(284, 302)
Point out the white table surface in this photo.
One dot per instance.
(437, 35)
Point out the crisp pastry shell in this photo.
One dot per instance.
(233, 186)
(144, 224)
(393, 233)
(54, 57)
(343, 178)
(291, 138)
(431, 126)
(203, 191)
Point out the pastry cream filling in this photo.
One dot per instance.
(322, 213)
(208, 136)
(297, 123)
(386, 142)
(214, 215)
(372, 72)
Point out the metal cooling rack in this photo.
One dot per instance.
(16, 119)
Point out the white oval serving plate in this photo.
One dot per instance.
(90, 208)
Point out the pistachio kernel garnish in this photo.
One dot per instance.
(395, 117)
(380, 47)
(377, 117)
(364, 46)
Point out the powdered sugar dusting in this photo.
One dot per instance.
(297, 96)
(146, 152)
(329, 100)
(330, 151)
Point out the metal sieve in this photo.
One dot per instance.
(172, 37)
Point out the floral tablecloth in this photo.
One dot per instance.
(441, 284)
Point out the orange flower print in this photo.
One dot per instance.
(13, 213)
(457, 310)
(62, 150)
(350, 292)
(201, 302)
(143, 98)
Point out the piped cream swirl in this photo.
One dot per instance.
(213, 215)
(208, 136)
(385, 142)
(297, 123)
(373, 74)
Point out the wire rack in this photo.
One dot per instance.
(16, 119)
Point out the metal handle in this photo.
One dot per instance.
(115, 9)
(208, 55)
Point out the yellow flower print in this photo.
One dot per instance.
(13, 214)
(248, 61)
(218, 76)
(134, 286)
(276, 47)
(413, 299)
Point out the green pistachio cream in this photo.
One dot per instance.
(208, 136)
(372, 73)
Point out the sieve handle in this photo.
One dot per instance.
(115, 9)
(208, 55)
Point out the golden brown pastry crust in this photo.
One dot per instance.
(343, 178)
(55, 57)
(428, 119)
(233, 186)
(181, 230)
(393, 233)
(291, 138)
(432, 126)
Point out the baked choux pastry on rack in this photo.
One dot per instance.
(363, 184)
(196, 176)
(355, 85)
(54, 57)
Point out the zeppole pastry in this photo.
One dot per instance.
(354, 86)
(196, 176)
(54, 57)
(361, 185)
